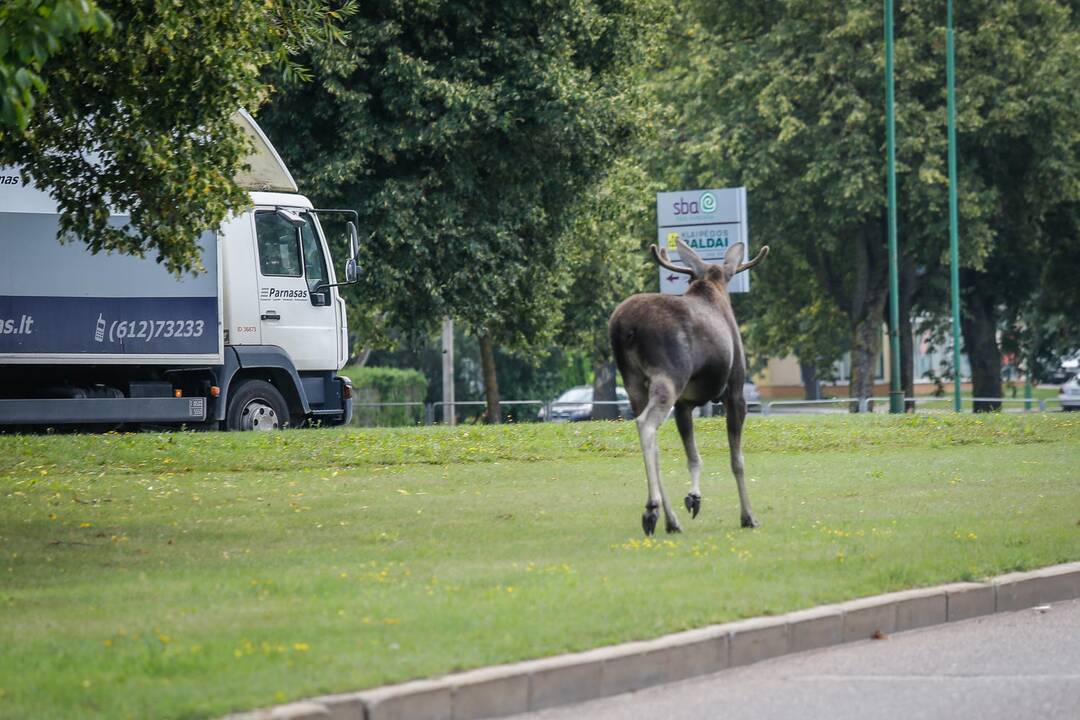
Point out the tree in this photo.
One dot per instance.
(129, 105)
(788, 100)
(466, 133)
(1045, 328)
(1020, 144)
(607, 263)
(787, 312)
(30, 32)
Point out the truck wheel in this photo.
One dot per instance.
(256, 405)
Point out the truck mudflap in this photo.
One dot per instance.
(102, 410)
(347, 394)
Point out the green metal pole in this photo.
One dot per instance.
(954, 232)
(896, 394)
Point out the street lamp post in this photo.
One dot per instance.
(896, 393)
(954, 232)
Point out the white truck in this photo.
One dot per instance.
(252, 343)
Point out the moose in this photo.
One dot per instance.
(683, 352)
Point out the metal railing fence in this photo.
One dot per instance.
(441, 407)
(1030, 404)
(435, 413)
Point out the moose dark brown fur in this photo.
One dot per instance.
(683, 352)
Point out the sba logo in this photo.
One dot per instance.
(706, 203)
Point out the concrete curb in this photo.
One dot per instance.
(536, 684)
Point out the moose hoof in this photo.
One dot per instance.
(749, 521)
(672, 527)
(693, 504)
(648, 521)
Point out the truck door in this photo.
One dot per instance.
(294, 315)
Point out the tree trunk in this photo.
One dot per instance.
(361, 357)
(811, 384)
(864, 299)
(604, 389)
(871, 292)
(978, 323)
(865, 347)
(491, 382)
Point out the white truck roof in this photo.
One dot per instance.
(289, 200)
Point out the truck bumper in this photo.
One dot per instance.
(102, 410)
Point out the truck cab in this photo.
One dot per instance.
(252, 343)
(281, 306)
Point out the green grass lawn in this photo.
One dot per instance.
(188, 575)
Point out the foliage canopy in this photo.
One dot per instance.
(465, 133)
(788, 99)
(128, 105)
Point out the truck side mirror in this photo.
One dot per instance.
(354, 243)
(351, 270)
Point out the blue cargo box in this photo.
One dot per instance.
(60, 303)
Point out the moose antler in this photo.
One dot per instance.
(662, 259)
(762, 253)
(661, 256)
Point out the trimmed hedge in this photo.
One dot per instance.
(383, 384)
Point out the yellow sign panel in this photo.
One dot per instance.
(671, 238)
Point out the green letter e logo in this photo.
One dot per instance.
(708, 202)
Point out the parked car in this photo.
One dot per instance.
(576, 404)
(1066, 370)
(1070, 394)
(750, 395)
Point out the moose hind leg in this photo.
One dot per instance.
(735, 408)
(661, 398)
(684, 420)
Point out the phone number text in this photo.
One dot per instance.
(150, 329)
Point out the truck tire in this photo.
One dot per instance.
(256, 405)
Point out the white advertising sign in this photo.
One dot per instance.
(709, 221)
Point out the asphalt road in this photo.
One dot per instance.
(1006, 666)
